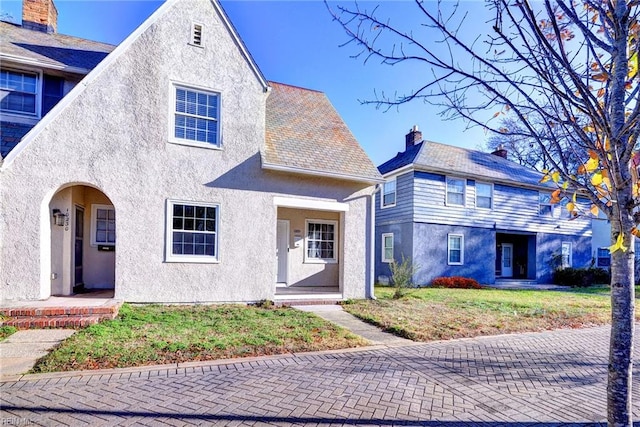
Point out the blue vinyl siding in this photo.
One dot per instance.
(403, 210)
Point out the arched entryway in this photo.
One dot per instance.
(83, 239)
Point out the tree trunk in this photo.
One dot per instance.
(622, 327)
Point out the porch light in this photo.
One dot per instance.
(59, 217)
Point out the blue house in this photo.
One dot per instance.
(460, 212)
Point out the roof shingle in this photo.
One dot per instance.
(304, 131)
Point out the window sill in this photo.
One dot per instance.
(320, 261)
(192, 260)
(205, 145)
(387, 206)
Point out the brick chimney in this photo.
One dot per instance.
(500, 152)
(413, 137)
(40, 15)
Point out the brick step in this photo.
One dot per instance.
(41, 322)
(59, 311)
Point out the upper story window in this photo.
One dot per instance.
(19, 92)
(389, 193)
(196, 117)
(192, 232)
(455, 191)
(484, 195)
(321, 241)
(546, 208)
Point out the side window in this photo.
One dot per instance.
(387, 247)
(544, 200)
(603, 258)
(103, 225)
(484, 195)
(389, 193)
(19, 92)
(567, 254)
(196, 117)
(455, 249)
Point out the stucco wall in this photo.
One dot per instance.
(114, 137)
(430, 253)
(550, 245)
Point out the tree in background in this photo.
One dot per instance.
(566, 72)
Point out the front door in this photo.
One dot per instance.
(77, 253)
(507, 260)
(282, 251)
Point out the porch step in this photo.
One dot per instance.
(288, 303)
(57, 317)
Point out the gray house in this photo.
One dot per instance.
(460, 212)
(171, 170)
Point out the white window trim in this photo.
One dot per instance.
(192, 41)
(395, 192)
(94, 218)
(201, 259)
(39, 92)
(173, 86)
(384, 237)
(461, 248)
(491, 189)
(598, 258)
(336, 247)
(570, 260)
(446, 191)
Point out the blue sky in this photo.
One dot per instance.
(296, 42)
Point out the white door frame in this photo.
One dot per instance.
(507, 271)
(282, 252)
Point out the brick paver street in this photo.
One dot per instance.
(542, 379)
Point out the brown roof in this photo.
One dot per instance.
(52, 50)
(304, 132)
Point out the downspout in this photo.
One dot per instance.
(372, 243)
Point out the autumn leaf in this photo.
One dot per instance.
(571, 206)
(618, 245)
(594, 210)
(545, 179)
(600, 77)
(555, 176)
(596, 179)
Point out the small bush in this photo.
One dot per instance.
(402, 276)
(455, 282)
(581, 277)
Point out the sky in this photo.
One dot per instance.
(298, 43)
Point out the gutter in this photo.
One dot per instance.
(372, 240)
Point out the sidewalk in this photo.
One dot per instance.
(20, 351)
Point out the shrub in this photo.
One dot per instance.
(455, 282)
(402, 276)
(581, 277)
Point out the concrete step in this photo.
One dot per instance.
(288, 303)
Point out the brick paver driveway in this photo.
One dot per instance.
(551, 378)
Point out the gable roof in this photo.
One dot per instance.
(50, 50)
(305, 134)
(450, 160)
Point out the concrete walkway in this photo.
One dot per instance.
(335, 314)
(20, 351)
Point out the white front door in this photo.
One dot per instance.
(507, 260)
(282, 251)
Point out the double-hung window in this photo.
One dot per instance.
(387, 247)
(455, 191)
(603, 258)
(196, 117)
(389, 193)
(103, 225)
(484, 195)
(455, 249)
(322, 238)
(19, 92)
(567, 255)
(192, 232)
(546, 208)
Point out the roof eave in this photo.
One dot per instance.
(477, 177)
(43, 64)
(324, 174)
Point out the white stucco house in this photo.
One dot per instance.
(170, 170)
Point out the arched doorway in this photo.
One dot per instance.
(83, 239)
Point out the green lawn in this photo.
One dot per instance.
(156, 334)
(6, 331)
(434, 314)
